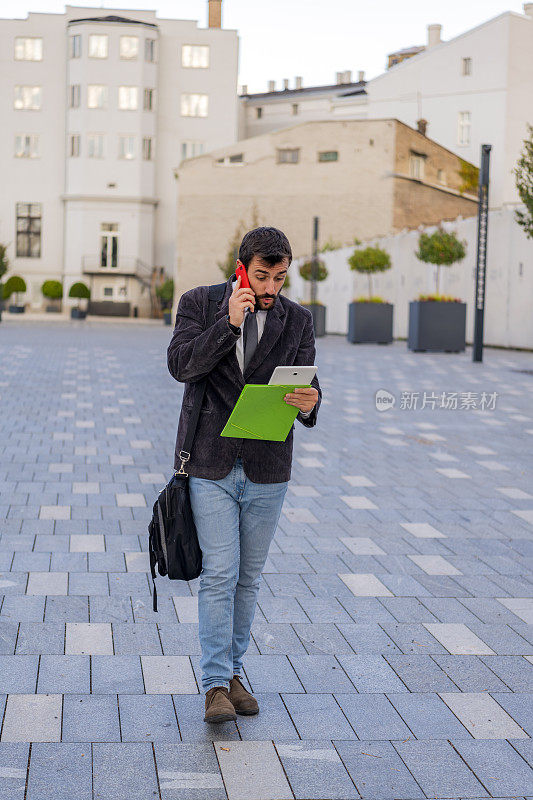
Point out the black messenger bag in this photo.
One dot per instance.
(172, 537)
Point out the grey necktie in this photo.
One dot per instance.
(250, 336)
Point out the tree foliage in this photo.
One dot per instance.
(14, 285)
(4, 266)
(469, 175)
(52, 289)
(368, 261)
(80, 290)
(306, 270)
(524, 183)
(441, 248)
(165, 292)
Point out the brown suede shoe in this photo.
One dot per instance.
(243, 702)
(218, 707)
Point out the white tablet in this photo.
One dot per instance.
(292, 376)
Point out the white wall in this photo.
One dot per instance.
(509, 294)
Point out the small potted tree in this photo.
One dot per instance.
(53, 290)
(81, 292)
(17, 286)
(370, 318)
(317, 309)
(4, 266)
(438, 322)
(165, 293)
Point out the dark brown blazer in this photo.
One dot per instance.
(194, 353)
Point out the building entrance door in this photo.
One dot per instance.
(109, 244)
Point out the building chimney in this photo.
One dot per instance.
(422, 126)
(434, 32)
(215, 13)
(272, 86)
(244, 88)
(340, 76)
(348, 76)
(298, 82)
(361, 75)
(285, 84)
(528, 9)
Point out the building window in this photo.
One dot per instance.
(149, 50)
(129, 47)
(74, 95)
(98, 45)
(27, 98)
(74, 145)
(96, 96)
(27, 145)
(28, 230)
(191, 149)
(194, 105)
(295, 109)
(149, 99)
(329, 155)
(288, 155)
(126, 147)
(259, 112)
(95, 145)
(28, 48)
(108, 248)
(416, 166)
(466, 66)
(441, 177)
(108, 291)
(195, 56)
(147, 148)
(74, 46)
(238, 158)
(127, 98)
(464, 123)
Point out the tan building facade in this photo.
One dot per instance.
(362, 178)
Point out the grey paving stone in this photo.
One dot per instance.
(32, 718)
(314, 769)
(318, 716)
(272, 673)
(70, 764)
(372, 716)
(188, 772)
(519, 707)
(20, 608)
(276, 638)
(498, 766)
(321, 673)
(420, 673)
(168, 674)
(13, 768)
(66, 609)
(116, 675)
(64, 675)
(320, 639)
(427, 716)
(469, 674)
(281, 609)
(18, 674)
(516, 672)
(148, 718)
(439, 770)
(137, 639)
(371, 673)
(41, 637)
(123, 771)
(272, 722)
(482, 716)
(265, 775)
(90, 718)
(377, 770)
(366, 637)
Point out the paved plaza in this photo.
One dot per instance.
(392, 650)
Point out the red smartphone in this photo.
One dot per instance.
(240, 271)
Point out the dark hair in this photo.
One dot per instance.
(270, 244)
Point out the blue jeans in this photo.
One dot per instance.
(236, 520)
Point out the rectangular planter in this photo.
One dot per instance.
(319, 317)
(108, 308)
(13, 309)
(436, 326)
(370, 322)
(77, 313)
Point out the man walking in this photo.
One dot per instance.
(237, 486)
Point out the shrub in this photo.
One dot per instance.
(374, 299)
(14, 285)
(440, 248)
(80, 290)
(368, 261)
(438, 298)
(306, 270)
(52, 289)
(165, 293)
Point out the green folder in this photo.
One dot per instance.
(262, 413)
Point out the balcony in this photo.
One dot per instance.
(127, 267)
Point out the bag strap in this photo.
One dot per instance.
(215, 295)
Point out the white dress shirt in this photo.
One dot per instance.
(261, 319)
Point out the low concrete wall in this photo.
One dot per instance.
(509, 287)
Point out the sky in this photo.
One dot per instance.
(311, 38)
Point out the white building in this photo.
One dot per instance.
(473, 89)
(99, 108)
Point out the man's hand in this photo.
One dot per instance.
(240, 299)
(303, 397)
